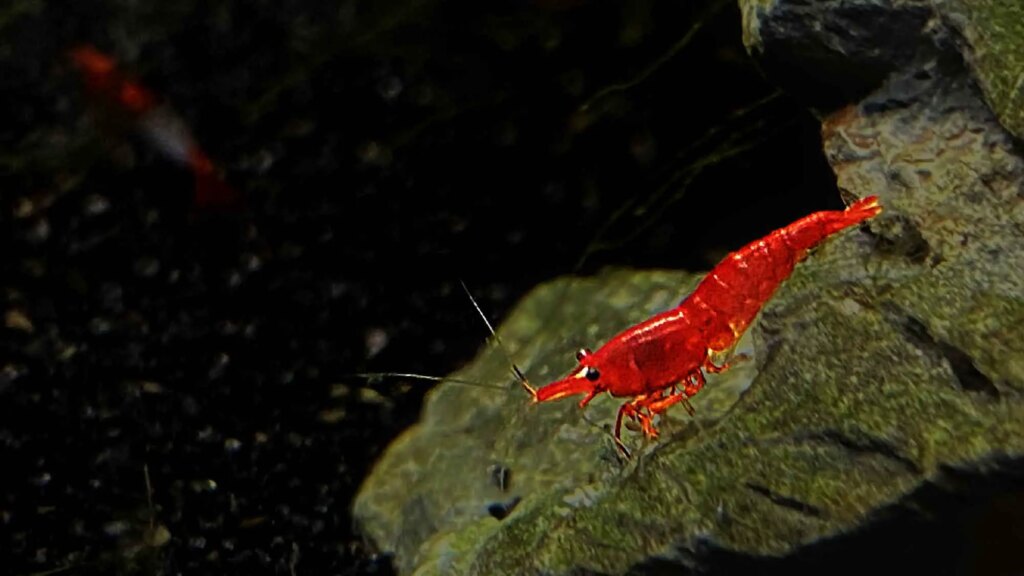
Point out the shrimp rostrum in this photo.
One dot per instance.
(662, 360)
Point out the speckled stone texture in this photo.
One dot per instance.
(882, 412)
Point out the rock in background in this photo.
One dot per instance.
(882, 429)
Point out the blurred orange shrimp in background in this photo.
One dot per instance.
(123, 98)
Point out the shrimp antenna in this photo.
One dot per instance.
(522, 377)
(378, 375)
(515, 369)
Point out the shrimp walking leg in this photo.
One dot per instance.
(635, 410)
(643, 408)
(624, 410)
(665, 403)
(712, 367)
(694, 383)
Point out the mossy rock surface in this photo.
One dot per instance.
(993, 45)
(890, 364)
(855, 399)
(830, 53)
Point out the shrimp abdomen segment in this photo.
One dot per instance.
(731, 295)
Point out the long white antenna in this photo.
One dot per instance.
(522, 377)
(376, 375)
(515, 369)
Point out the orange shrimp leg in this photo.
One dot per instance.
(652, 405)
(657, 403)
(694, 384)
(664, 404)
(713, 368)
(633, 410)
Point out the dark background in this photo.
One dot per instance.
(385, 150)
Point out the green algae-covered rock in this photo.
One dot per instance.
(847, 416)
(890, 365)
(831, 53)
(878, 370)
(994, 48)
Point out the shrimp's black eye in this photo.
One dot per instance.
(591, 374)
(581, 354)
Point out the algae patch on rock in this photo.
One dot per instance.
(993, 34)
(889, 366)
(846, 417)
